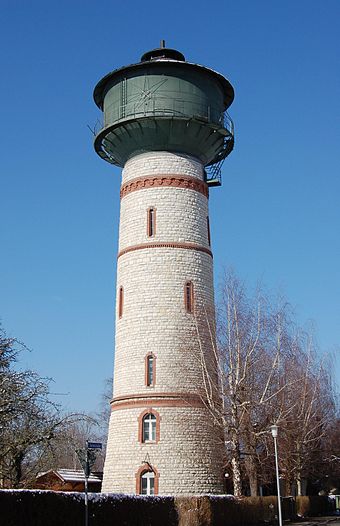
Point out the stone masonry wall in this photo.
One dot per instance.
(186, 457)
(153, 272)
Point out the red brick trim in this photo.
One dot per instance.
(186, 246)
(159, 400)
(143, 469)
(149, 411)
(150, 354)
(166, 180)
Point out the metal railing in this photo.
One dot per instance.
(164, 107)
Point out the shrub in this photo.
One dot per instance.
(312, 506)
(39, 508)
(193, 511)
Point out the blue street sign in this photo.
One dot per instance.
(94, 445)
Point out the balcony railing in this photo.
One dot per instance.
(165, 107)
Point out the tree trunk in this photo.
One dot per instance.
(251, 469)
(17, 469)
(237, 483)
(299, 488)
(298, 471)
(236, 467)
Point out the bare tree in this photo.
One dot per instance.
(247, 361)
(310, 409)
(266, 374)
(32, 427)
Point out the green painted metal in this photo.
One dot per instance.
(164, 104)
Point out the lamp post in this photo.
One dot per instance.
(274, 430)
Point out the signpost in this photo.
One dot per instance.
(87, 458)
(94, 445)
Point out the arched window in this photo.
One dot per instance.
(147, 483)
(147, 480)
(149, 428)
(189, 297)
(120, 301)
(151, 222)
(150, 370)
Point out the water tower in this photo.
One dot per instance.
(165, 123)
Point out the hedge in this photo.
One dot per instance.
(312, 506)
(42, 508)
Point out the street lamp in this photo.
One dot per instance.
(274, 430)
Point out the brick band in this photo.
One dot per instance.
(157, 400)
(175, 181)
(186, 246)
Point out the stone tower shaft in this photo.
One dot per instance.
(153, 270)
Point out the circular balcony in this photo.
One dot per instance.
(154, 123)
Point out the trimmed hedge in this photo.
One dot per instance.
(248, 511)
(312, 506)
(42, 508)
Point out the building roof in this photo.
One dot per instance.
(72, 475)
(170, 58)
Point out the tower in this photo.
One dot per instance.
(165, 123)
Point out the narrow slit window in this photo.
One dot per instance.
(150, 370)
(189, 297)
(120, 302)
(151, 220)
(208, 230)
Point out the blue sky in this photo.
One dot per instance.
(275, 219)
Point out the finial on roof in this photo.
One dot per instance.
(162, 43)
